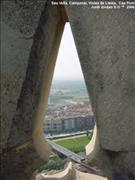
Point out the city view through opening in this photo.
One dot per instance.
(69, 119)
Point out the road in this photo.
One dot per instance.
(59, 136)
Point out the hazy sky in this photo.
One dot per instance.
(67, 64)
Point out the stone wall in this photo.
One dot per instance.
(105, 41)
(31, 33)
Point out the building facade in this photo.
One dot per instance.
(69, 124)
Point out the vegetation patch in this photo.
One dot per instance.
(54, 163)
(76, 144)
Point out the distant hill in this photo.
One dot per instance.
(69, 84)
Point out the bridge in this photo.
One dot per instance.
(73, 156)
(65, 152)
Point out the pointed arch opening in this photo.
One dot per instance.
(68, 95)
(69, 119)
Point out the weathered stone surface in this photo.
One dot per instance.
(27, 66)
(70, 173)
(20, 163)
(105, 44)
(123, 162)
(15, 49)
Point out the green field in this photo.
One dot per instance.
(76, 144)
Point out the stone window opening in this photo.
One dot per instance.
(81, 123)
(45, 55)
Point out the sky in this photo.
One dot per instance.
(67, 64)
